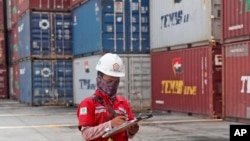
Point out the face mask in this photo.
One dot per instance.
(108, 88)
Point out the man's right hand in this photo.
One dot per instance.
(118, 121)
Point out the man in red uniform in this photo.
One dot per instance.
(105, 110)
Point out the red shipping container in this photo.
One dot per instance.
(43, 5)
(3, 82)
(14, 12)
(14, 44)
(237, 80)
(235, 20)
(1, 15)
(74, 3)
(188, 80)
(2, 48)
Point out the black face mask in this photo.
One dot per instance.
(109, 89)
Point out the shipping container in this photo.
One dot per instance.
(1, 15)
(14, 12)
(184, 23)
(14, 44)
(46, 82)
(135, 86)
(3, 82)
(235, 20)
(2, 48)
(8, 14)
(75, 3)
(188, 81)
(44, 35)
(111, 26)
(236, 75)
(42, 5)
(14, 81)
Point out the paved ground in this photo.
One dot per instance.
(19, 122)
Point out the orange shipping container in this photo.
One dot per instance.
(188, 80)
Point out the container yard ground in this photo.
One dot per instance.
(52, 123)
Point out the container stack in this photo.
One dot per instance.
(42, 52)
(186, 57)
(3, 68)
(112, 26)
(236, 53)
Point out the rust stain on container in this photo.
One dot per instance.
(2, 48)
(1, 15)
(188, 80)
(235, 20)
(237, 80)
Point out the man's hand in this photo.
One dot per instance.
(132, 130)
(118, 121)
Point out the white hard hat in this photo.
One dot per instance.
(111, 64)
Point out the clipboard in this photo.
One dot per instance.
(125, 125)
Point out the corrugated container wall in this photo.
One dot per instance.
(42, 5)
(235, 20)
(14, 44)
(14, 12)
(237, 80)
(74, 3)
(2, 48)
(8, 14)
(188, 80)
(104, 26)
(46, 82)
(15, 83)
(183, 22)
(3, 82)
(44, 35)
(135, 86)
(1, 15)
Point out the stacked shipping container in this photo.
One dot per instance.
(41, 61)
(122, 27)
(186, 56)
(235, 36)
(3, 68)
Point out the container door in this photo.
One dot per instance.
(40, 34)
(114, 26)
(62, 86)
(217, 83)
(61, 35)
(137, 19)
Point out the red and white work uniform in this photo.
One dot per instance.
(94, 118)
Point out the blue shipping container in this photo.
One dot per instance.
(44, 34)
(107, 26)
(46, 82)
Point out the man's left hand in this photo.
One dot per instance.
(132, 130)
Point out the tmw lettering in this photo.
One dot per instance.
(173, 19)
(86, 84)
(245, 85)
(177, 87)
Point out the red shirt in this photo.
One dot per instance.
(92, 113)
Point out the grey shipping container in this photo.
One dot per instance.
(135, 86)
(182, 23)
(46, 82)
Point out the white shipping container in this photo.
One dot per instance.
(135, 86)
(182, 22)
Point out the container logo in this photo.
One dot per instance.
(22, 71)
(176, 64)
(174, 18)
(245, 87)
(86, 84)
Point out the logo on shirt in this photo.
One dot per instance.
(83, 111)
